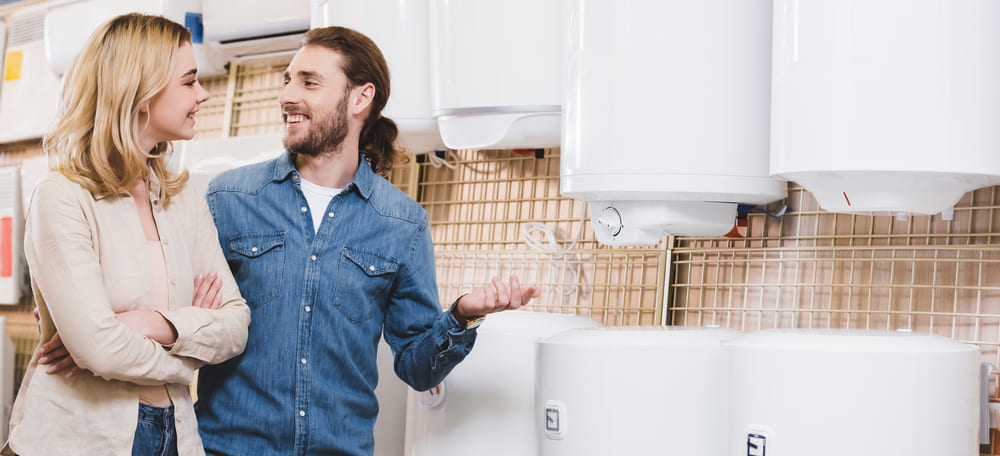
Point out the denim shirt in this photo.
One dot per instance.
(319, 303)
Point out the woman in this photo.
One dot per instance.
(114, 242)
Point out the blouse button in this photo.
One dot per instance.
(371, 268)
(304, 209)
(253, 249)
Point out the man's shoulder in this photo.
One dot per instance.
(245, 179)
(390, 201)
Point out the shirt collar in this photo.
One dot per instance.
(363, 181)
(153, 185)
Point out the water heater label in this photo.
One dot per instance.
(756, 444)
(555, 420)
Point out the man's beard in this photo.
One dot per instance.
(322, 136)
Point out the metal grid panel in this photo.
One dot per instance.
(406, 175)
(483, 205)
(212, 112)
(255, 109)
(814, 269)
(11, 154)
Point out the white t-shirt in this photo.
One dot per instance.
(318, 198)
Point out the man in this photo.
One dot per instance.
(328, 254)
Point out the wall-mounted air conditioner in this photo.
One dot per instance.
(68, 26)
(29, 96)
(12, 265)
(242, 32)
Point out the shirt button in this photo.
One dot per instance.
(371, 268)
(330, 214)
(303, 360)
(302, 413)
(313, 257)
(308, 309)
(173, 282)
(304, 209)
(253, 249)
(164, 241)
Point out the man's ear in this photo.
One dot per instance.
(362, 97)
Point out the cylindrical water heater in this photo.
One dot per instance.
(837, 392)
(632, 391)
(886, 105)
(390, 424)
(486, 405)
(400, 29)
(666, 115)
(497, 72)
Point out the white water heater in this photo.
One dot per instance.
(205, 158)
(666, 115)
(633, 391)
(886, 106)
(496, 72)
(837, 392)
(13, 268)
(29, 96)
(401, 31)
(7, 376)
(3, 48)
(486, 404)
(390, 424)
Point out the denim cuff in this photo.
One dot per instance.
(452, 340)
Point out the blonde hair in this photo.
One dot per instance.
(94, 142)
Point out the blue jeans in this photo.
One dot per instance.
(154, 433)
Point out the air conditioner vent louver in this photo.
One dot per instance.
(27, 28)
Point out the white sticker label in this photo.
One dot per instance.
(555, 420)
(756, 444)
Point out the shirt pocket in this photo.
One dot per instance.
(257, 261)
(363, 280)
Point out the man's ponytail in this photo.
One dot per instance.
(378, 138)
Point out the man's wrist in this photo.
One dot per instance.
(464, 321)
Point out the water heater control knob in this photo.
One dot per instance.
(432, 398)
(610, 220)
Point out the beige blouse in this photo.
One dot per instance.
(88, 261)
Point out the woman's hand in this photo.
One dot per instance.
(148, 323)
(54, 354)
(206, 291)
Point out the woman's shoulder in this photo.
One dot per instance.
(54, 184)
